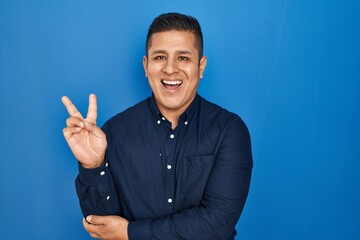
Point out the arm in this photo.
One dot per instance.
(88, 144)
(96, 191)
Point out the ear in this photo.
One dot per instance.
(145, 63)
(202, 65)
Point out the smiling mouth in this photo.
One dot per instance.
(171, 85)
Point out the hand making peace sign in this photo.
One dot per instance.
(86, 140)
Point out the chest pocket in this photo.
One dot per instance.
(192, 179)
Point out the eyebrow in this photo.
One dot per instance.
(184, 52)
(158, 51)
(178, 52)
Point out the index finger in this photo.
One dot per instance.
(70, 107)
(92, 110)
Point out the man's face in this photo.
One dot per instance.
(173, 70)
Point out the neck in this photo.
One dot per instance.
(172, 117)
(172, 114)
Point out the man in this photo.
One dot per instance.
(174, 166)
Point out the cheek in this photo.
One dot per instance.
(153, 69)
(193, 72)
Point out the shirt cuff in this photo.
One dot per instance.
(93, 176)
(139, 230)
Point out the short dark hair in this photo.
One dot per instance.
(179, 22)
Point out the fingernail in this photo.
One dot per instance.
(88, 218)
(81, 124)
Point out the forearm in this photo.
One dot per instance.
(214, 218)
(96, 191)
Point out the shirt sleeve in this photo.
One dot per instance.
(223, 199)
(96, 191)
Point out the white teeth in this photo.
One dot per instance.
(172, 82)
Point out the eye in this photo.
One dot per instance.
(159, 57)
(183, 58)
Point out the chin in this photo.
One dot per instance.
(170, 101)
(173, 106)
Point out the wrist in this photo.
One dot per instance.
(95, 164)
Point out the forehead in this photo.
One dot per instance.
(173, 41)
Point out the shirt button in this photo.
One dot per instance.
(168, 166)
(186, 123)
(158, 122)
(172, 136)
(169, 200)
(163, 118)
(102, 173)
(108, 197)
(106, 164)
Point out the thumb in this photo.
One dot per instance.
(96, 220)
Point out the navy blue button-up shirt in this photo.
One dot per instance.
(186, 183)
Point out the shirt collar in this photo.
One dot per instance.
(187, 116)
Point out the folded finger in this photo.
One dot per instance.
(68, 131)
(70, 107)
(91, 229)
(74, 122)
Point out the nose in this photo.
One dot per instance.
(170, 67)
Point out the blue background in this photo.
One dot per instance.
(289, 68)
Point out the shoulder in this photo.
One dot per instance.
(127, 117)
(231, 130)
(216, 114)
(226, 132)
